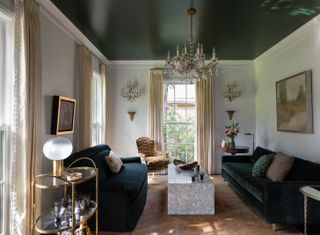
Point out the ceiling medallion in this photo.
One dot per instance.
(190, 62)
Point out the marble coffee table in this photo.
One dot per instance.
(187, 197)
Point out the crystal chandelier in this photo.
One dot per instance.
(190, 62)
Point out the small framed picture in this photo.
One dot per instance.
(294, 103)
(63, 115)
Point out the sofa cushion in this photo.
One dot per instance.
(261, 166)
(130, 180)
(114, 162)
(280, 167)
(242, 174)
(258, 152)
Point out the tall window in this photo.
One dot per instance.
(6, 74)
(179, 120)
(97, 109)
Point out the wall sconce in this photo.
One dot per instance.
(230, 113)
(131, 115)
(231, 92)
(131, 91)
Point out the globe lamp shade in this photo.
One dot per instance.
(57, 149)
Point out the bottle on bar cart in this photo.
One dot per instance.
(83, 229)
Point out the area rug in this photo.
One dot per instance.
(232, 217)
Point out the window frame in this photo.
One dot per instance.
(97, 122)
(6, 89)
(186, 101)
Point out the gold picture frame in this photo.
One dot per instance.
(63, 115)
(294, 103)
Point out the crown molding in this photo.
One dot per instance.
(136, 63)
(48, 9)
(291, 40)
(160, 63)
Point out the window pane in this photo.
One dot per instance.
(2, 151)
(179, 121)
(180, 93)
(1, 211)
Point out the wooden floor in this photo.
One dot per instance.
(233, 216)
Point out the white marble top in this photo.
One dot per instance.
(184, 177)
(312, 192)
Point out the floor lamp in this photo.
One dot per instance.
(251, 134)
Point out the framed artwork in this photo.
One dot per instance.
(294, 103)
(63, 115)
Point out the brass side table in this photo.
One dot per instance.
(44, 223)
(309, 192)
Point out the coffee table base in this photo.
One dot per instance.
(191, 199)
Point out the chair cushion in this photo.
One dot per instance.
(130, 179)
(261, 166)
(156, 162)
(280, 167)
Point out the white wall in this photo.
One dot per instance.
(124, 133)
(243, 73)
(296, 53)
(58, 53)
(7, 5)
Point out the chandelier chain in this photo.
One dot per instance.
(190, 62)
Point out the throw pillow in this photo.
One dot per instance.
(280, 167)
(258, 152)
(261, 166)
(114, 162)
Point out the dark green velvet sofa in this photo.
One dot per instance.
(122, 196)
(278, 202)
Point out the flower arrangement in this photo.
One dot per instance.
(232, 131)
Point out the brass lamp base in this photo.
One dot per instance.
(58, 167)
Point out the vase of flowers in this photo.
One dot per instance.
(232, 131)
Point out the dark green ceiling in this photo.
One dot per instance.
(146, 29)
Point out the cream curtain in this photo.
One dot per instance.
(205, 124)
(26, 142)
(156, 107)
(85, 89)
(104, 78)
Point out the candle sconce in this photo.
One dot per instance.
(131, 91)
(131, 115)
(232, 91)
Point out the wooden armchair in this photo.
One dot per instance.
(155, 160)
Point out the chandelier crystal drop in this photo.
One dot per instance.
(190, 62)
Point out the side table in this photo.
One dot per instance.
(309, 192)
(237, 149)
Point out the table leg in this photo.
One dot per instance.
(305, 214)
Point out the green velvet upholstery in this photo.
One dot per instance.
(242, 174)
(258, 152)
(122, 196)
(278, 202)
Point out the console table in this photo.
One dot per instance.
(237, 149)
